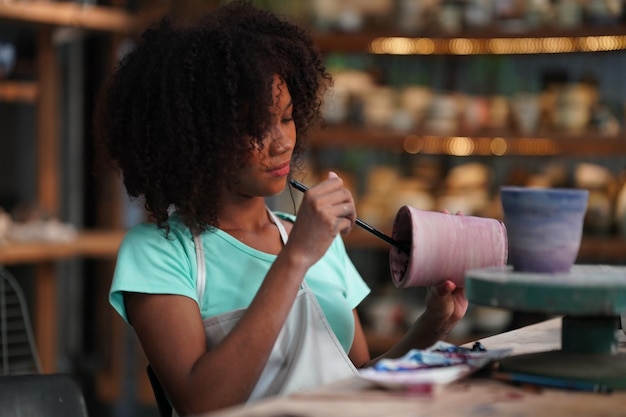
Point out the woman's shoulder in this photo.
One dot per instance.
(151, 233)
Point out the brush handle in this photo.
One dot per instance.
(403, 246)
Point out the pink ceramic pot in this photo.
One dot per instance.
(444, 247)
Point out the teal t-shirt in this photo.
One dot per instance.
(148, 262)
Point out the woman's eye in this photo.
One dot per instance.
(287, 119)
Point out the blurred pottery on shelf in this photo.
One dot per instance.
(475, 113)
(386, 315)
(526, 110)
(499, 112)
(7, 58)
(443, 114)
(602, 186)
(572, 113)
(599, 215)
(336, 105)
(5, 225)
(415, 100)
(410, 192)
(491, 320)
(450, 16)
(620, 211)
(378, 106)
(569, 14)
(469, 175)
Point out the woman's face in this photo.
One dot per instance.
(267, 168)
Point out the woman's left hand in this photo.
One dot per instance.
(446, 304)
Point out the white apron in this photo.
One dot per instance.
(307, 352)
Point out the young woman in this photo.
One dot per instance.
(230, 301)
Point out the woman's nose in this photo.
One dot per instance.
(280, 140)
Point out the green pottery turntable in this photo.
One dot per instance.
(589, 297)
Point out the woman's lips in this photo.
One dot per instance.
(281, 170)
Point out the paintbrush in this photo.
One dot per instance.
(403, 246)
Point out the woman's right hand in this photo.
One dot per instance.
(327, 209)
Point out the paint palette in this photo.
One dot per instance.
(423, 370)
(590, 297)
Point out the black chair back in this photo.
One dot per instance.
(18, 353)
(163, 404)
(41, 395)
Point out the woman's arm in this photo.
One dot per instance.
(171, 333)
(446, 304)
(359, 352)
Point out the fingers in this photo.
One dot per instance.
(445, 288)
(340, 197)
(458, 213)
(334, 203)
(344, 206)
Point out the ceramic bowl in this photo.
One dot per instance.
(544, 227)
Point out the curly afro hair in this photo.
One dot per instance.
(186, 105)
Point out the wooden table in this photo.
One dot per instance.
(471, 397)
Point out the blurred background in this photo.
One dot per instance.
(435, 104)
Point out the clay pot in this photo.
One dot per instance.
(544, 227)
(444, 246)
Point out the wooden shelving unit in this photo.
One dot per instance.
(44, 17)
(489, 144)
(91, 244)
(486, 41)
(18, 91)
(69, 14)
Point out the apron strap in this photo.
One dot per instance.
(279, 225)
(201, 269)
(283, 234)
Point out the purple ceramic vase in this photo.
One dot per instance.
(544, 227)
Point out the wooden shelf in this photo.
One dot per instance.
(505, 144)
(593, 249)
(18, 91)
(599, 249)
(69, 14)
(93, 244)
(488, 41)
